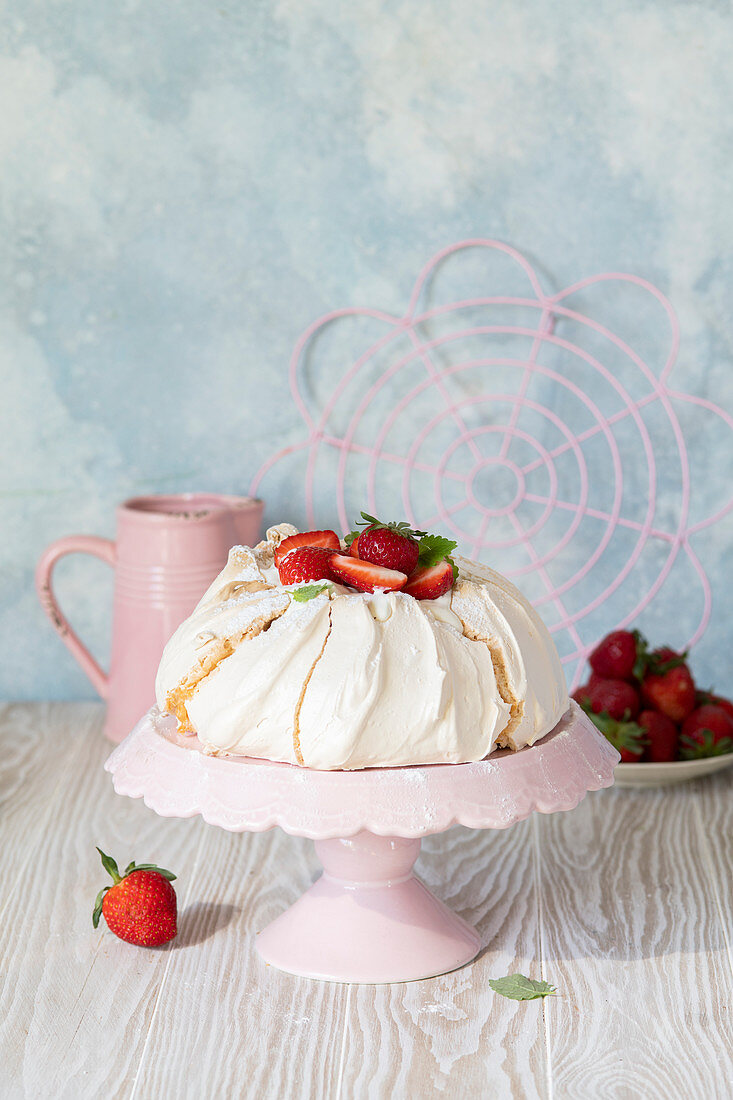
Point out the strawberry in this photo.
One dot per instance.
(614, 697)
(353, 547)
(306, 538)
(667, 684)
(306, 563)
(661, 735)
(626, 737)
(615, 655)
(580, 694)
(430, 582)
(707, 731)
(364, 575)
(702, 697)
(140, 906)
(391, 545)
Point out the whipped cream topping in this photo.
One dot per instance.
(354, 680)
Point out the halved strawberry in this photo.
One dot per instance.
(306, 563)
(307, 538)
(430, 582)
(365, 576)
(353, 548)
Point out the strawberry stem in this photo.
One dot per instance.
(400, 528)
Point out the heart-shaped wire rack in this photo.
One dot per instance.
(520, 425)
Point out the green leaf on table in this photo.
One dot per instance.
(308, 592)
(518, 988)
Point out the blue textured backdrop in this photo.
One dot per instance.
(184, 187)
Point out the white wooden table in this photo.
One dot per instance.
(625, 905)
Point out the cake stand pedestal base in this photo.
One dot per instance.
(368, 918)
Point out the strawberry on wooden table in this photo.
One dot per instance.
(661, 735)
(707, 731)
(306, 563)
(667, 684)
(364, 575)
(328, 539)
(140, 906)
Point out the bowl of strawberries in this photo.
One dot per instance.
(646, 702)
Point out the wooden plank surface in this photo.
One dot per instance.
(625, 904)
(633, 938)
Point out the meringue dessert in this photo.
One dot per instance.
(330, 656)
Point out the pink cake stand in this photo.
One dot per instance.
(367, 918)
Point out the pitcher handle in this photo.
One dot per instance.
(74, 544)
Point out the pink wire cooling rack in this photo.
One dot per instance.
(518, 422)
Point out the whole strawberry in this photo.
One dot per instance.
(702, 697)
(306, 563)
(708, 731)
(662, 737)
(615, 655)
(140, 906)
(667, 684)
(626, 737)
(389, 545)
(580, 695)
(613, 697)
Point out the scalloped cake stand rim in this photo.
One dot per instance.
(176, 779)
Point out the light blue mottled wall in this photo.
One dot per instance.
(183, 187)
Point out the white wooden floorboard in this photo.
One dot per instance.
(250, 1030)
(41, 746)
(75, 1002)
(633, 940)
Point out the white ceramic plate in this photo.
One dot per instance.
(678, 771)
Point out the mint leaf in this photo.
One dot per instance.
(302, 595)
(433, 548)
(518, 988)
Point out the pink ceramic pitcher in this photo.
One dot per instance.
(167, 552)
